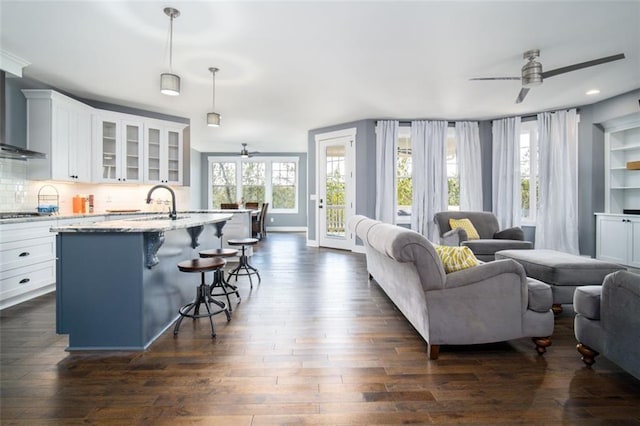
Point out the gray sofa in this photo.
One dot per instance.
(492, 239)
(607, 321)
(491, 302)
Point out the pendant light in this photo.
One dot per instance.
(169, 82)
(213, 118)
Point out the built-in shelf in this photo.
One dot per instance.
(626, 147)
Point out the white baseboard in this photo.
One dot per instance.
(358, 249)
(286, 229)
(312, 243)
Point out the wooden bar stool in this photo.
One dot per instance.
(244, 261)
(203, 295)
(218, 275)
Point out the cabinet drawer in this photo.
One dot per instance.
(26, 230)
(23, 280)
(17, 254)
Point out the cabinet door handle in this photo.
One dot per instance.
(24, 281)
(24, 254)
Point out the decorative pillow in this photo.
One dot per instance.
(456, 258)
(465, 224)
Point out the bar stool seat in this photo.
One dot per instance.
(202, 292)
(218, 275)
(244, 260)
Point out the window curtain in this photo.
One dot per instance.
(506, 171)
(469, 165)
(386, 137)
(429, 175)
(557, 224)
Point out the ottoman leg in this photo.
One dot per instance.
(541, 344)
(588, 354)
(556, 308)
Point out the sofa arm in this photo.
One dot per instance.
(539, 296)
(453, 237)
(586, 301)
(484, 272)
(515, 233)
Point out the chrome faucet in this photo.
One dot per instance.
(173, 215)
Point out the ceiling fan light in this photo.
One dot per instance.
(592, 92)
(532, 74)
(213, 119)
(170, 84)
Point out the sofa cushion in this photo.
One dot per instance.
(492, 246)
(586, 301)
(540, 295)
(455, 258)
(472, 233)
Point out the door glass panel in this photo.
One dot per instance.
(173, 170)
(153, 157)
(223, 183)
(335, 191)
(109, 150)
(133, 150)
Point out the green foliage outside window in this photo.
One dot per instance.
(453, 184)
(284, 197)
(335, 189)
(404, 183)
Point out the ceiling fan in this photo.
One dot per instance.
(244, 153)
(532, 74)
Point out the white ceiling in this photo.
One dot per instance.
(288, 67)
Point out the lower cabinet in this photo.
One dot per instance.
(27, 261)
(618, 238)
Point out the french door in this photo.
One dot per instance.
(336, 188)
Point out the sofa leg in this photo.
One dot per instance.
(588, 354)
(434, 351)
(541, 344)
(370, 277)
(556, 308)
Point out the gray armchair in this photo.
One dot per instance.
(607, 321)
(492, 239)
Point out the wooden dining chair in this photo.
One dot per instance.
(229, 206)
(251, 205)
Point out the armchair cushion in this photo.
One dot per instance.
(455, 258)
(467, 226)
(515, 233)
(489, 247)
(586, 301)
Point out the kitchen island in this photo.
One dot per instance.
(118, 286)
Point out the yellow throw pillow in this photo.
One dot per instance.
(456, 258)
(465, 224)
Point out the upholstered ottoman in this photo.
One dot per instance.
(564, 272)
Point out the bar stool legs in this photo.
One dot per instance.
(220, 286)
(244, 261)
(203, 295)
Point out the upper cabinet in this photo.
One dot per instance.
(60, 127)
(118, 148)
(622, 183)
(163, 152)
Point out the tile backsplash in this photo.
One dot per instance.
(17, 193)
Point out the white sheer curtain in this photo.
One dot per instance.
(386, 137)
(429, 175)
(557, 223)
(469, 165)
(506, 171)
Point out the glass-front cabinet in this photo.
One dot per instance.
(163, 153)
(118, 149)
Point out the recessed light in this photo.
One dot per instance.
(593, 92)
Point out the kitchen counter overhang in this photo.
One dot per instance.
(118, 286)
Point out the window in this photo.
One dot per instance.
(453, 177)
(223, 179)
(529, 170)
(272, 180)
(404, 184)
(283, 184)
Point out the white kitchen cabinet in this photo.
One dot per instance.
(59, 127)
(618, 238)
(27, 261)
(118, 148)
(163, 152)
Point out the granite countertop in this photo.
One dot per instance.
(148, 223)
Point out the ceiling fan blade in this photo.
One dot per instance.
(575, 67)
(522, 94)
(495, 78)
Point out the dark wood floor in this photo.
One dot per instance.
(315, 343)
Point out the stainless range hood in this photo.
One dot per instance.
(7, 150)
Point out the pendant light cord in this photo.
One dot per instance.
(171, 44)
(213, 93)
